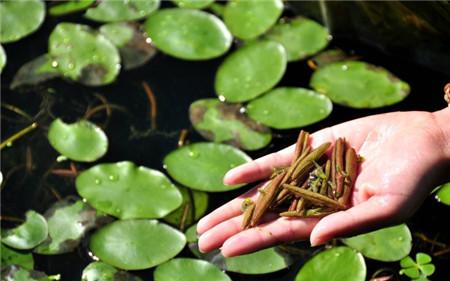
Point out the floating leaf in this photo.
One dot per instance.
(386, 244)
(191, 234)
(188, 34)
(286, 108)
(189, 270)
(193, 4)
(67, 223)
(196, 203)
(70, 6)
(223, 122)
(247, 19)
(419, 269)
(99, 271)
(34, 72)
(338, 263)
(80, 141)
(2, 58)
(27, 235)
(122, 10)
(359, 84)
(19, 18)
(126, 191)
(136, 244)
(250, 71)
(18, 273)
(301, 37)
(83, 55)
(208, 162)
(11, 257)
(329, 56)
(272, 259)
(443, 194)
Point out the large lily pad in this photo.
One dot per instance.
(84, 55)
(286, 108)
(247, 19)
(99, 271)
(337, 264)
(136, 244)
(194, 206)
(2, 58)
(11, 257)
(80, 141)
(443, 194)
(272, 259)
(122, 10)
(193, 4)
(301, 37)
(70, 6)
(188, 34)
(19, 18)
(387, 244)
(189, 270)
(223, 122)
(126, 191)
(18, 273)
(359, 84)
(202, 166)
(67, 223)
(36, 71)
(27, 235)
(250, 71)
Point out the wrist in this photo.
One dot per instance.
(442, 118)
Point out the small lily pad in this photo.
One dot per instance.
(126, 191)
(188, 34)
(27, 235)
(386, 244)
(329, 56)
(122, 10)
(208, 162)
(136, 244)
(224, 122)
(99, 271)
(247, 19)
(67, 223)
(19, 18)
(191, 234)
(80, 141)
(2, 58)
(83, 54)
(196, 203)
(34, 72)
(193, 4)
(359, 84)
(189, 270)
(70, 6)
(272, 259)
(338, 264)
(11, 257)
(18, 273)
(250, 71)
(443, 194)
(301, 37)
(286, 108)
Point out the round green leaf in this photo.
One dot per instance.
(250, 71)
(188, 34)
(202, 166)
(191, 234)
(189, 270)
(193, 4)
(18, 273)
(27, 235)
(38, 70)
(99, 271)
(286, 108)
(126, 191)
(80, 141)
(301, 37)
(11, 257)
(118, 33)
(196, 203)
(83, 55)
(339, 263)
(136, 244)
(387, 244)
(247, 19)
(359, 84)
(70, 6)
(443, 194)
(2, 58)
(260, 262)
(122, 10)
(223, 122)
(19, 18)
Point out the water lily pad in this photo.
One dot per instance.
(208, 162)
(329, 56)
(194, 206)
(19, 18)
(359, 84)
(250, 71)
(189, 270)
(18, 273)
(122, 10)
(70, 6)
(193, 4)
(338, 263)
(84, 55)
(286, 108)
(223, 122)
(126, 191)
(2, 58)
(247, 19)
(11, 257)
(34, 72)
(80, 141)
(443, 194)
(136, 244)
(387, 244)
(301, 37)
(27, 235)
(67, 223)
(272, 259)
(191, 234)
(188, 34)
(99, 271)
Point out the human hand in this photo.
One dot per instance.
(406, 154)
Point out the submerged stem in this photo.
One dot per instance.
(9, 141)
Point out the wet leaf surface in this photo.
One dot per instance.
(191, 234)
(193, 4)
(126, 191)
(17, 273)
(443, 194)
(11, 257)
(122, 10)
(27, 235)
(99, 271)
(35, 72)
(69, 7)
(189, 270)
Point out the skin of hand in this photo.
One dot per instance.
(406, 154)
